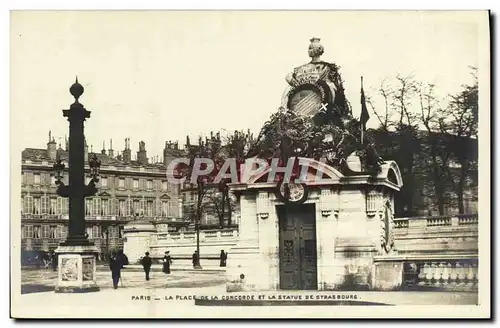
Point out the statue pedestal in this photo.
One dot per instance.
(137, 239)
(76, 269)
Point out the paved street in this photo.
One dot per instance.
(173, 296)
(44, 280)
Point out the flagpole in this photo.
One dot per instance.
(361, 121)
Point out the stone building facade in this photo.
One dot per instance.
(128, 189)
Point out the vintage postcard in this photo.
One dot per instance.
(250, 164)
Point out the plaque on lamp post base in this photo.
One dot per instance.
(76, 269)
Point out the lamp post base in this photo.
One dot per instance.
(76, 269)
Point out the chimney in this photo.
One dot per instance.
(141, 154)
(51, 147)
(111, 153)
(86, 150)
(167, 156)
(127, 153)
(103, 150)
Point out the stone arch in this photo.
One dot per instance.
(391, 172)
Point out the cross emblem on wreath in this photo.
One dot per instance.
(323, 107)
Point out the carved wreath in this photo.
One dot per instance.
(387, 227)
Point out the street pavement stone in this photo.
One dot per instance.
(42, 280)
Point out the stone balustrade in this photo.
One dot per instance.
(190, 236)
(455, 274)
(438, 221)
(182, 244)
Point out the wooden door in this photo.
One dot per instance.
(298, 265)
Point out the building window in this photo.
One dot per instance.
(45, 178)
(88, 206)
(112, 231)
(62, 231)
(44, 204)
(142, 184)
(53, 205)
(37, 178)
(105, 207)
(121, 183)
(45, 232)
(150, 184)
(130, 207)
(122, 208)
(62, 205)
(164, 185)
(37, 232)
(53, 232)
(28, 205)
(97, 206)
(136, 184)
(28, 231)
(136, 207)
(95, 232)
(36, 205)
(149, 208)
(104, 182)
(165, 209)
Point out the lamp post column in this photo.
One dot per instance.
(77, 255)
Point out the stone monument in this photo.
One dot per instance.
(322, 231)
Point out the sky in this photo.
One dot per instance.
(157, 75)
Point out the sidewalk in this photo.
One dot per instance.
(185, 303)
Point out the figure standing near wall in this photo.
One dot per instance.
(196, 259)
(223, 258)
(146, 264)
(167, 260)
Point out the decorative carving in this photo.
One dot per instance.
(263, 205)
(326, 202)
(263, 216)
(69, 269)
(288, 253)
(88, 268)
(373, 202)
(292, 192)
(387, 227)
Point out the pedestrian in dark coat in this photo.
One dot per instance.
(115, 265)
(167, 260)
(196, 259)
(146, 264)
(223, 258)
(54, 261)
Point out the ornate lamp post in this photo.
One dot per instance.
(77, 255)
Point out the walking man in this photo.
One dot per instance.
(146, 264)
(115, 265)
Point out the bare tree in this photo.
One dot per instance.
(439, 155)
(459, 123)
(383, 116)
